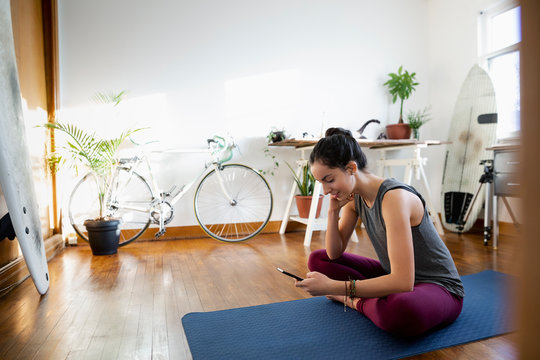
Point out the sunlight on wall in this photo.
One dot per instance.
(107, 120)
(150, 112)
(271, 98)
(36, 138)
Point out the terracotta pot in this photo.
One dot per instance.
(398, 131)
(303, 203)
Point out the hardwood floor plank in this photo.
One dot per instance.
(143, 344)
(129, 333)
(175, 343)
(160, 339)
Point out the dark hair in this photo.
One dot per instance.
(337, 148)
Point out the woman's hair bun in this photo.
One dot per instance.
(337, 131)
(337, 149)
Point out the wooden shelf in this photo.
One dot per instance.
(318, 224)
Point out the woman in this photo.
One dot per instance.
(414, 286)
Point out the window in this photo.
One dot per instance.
(499, 42)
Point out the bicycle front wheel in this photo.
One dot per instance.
(129, 199)
(239, 217)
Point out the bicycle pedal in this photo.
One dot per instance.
(159, 233)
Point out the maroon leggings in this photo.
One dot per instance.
(427, 307)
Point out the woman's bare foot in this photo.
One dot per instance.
(341, 298)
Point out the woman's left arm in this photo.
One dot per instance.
(399, 210)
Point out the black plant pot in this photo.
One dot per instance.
(103, 236)
(277, 136)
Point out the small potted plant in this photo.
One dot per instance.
(305, 183)
(400, 85)
(417, 119)
(276, 135)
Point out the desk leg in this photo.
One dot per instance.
(312, 213)
(354, 237)
(381, 163)
(408, 173)
(495, 223)
(287, 213)
(434, 215)
(510, 212)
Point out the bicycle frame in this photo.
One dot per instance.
(219, 152)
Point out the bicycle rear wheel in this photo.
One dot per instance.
(130, 199)
(241, 217)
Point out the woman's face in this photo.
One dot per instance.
(335, 181)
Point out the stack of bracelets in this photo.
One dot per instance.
(351, 293)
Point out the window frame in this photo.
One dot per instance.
(485, 51)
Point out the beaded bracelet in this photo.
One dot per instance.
(352, 291)
(345, 298)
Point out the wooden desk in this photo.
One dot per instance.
(414, 164)
(371, 144)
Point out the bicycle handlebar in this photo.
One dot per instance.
(221, 148)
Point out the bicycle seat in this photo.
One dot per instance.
(130, 160)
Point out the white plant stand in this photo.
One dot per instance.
(313, 224)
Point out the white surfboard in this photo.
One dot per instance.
(473, 128)
(15, 170)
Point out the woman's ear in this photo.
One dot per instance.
(352, 167)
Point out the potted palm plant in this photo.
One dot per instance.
(400, 85)
(305, 183)
(98, 155)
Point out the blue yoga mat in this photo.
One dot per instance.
(317, 328)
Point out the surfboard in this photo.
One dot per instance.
(15, 168)
(472, 129)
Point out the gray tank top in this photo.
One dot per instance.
(432, 260)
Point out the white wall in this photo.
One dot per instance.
(197, 68)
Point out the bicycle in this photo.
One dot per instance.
(232, 202)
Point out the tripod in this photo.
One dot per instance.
(487, 179)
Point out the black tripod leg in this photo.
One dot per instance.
(487, 214)
(468, 212)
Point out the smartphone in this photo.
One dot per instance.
(289, 274)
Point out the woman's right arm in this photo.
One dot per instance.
(339, 231)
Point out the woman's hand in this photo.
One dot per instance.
(317, 284)
(336, 203)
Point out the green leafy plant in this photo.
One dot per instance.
(418, 118)
(305, 182)
(275, 163)
(84, 148)
(276, 135)
(401, 84)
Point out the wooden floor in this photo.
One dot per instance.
(129, 305)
